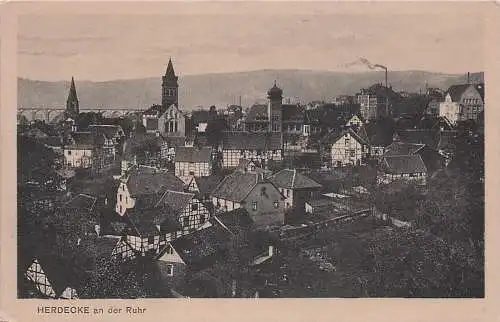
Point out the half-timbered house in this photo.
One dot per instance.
(258, 147)
(193, 162)
(144, 180)
(345, 148)
(402, 167)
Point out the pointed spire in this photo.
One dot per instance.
(170, 68)
(72, 91)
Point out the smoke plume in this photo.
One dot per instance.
(366, 62)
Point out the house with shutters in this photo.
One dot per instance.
(345, 148)
(193, 162)
(143, 180)
(295, 187)
(410, 168)
(250, 190)
(258, 147)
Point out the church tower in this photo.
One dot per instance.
(72, 106)
(275, 108)
(170, 87)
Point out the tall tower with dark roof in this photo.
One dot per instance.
(170, 87)
(72, 105)
(275, 108)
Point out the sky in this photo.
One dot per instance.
(109, 47)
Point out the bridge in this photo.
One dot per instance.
(48, 114)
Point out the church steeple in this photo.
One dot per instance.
(170, 86)
(72, 105)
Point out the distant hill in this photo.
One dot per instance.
(223, 89)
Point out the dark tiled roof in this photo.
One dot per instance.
(376, 134)
(398, 148)
(144, 221)
(236, 186)
(55, 141)
(109, 131)
(86, 140)
(313, 116)
(146, 180)
(428, 137)
(257, 113)
(236, 221)
(178, 201)
(251, 141)
(403, 164)
(456, 91)
(480, 89)
(207, 184)
(146, 201)
(202, 245)
(292, 179)
(334, 137)
(293, 113)
(192, 154)
(82, 202)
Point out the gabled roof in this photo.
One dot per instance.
(257, 113)
(175, 141)
(403, 164)
(176, 200)
(86, 140)
(291, 179)
(251, 141)
(376, 134)
(200, 116)
(146, 201)
(235, 221)
(236, 186)
(147, 180)
(144, 222)
(192, 154)
(202, 246)
(428, 137)
(207, 184)
(333, 137)
(398, 148)
(456, 91)
(155, 110)
(82, 202)
(109, 131)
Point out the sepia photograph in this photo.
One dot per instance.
(241, 155)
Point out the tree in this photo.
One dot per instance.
(83, 120)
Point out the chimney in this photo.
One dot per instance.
(468, 78)
(271, 250)
(78, 241)
(98, 230)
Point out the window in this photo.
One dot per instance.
(254, 205)
(151, 239)
(170, 250)
(276, 204)
(120, 208)
(170, 270)
(287, 193)
(202, 218)
(353, 153)
(123, 187)
(69, 152)
(191, 173)
(346, 141)
(185, 221)
(194, 207)
(120, 198)
(126, 199)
